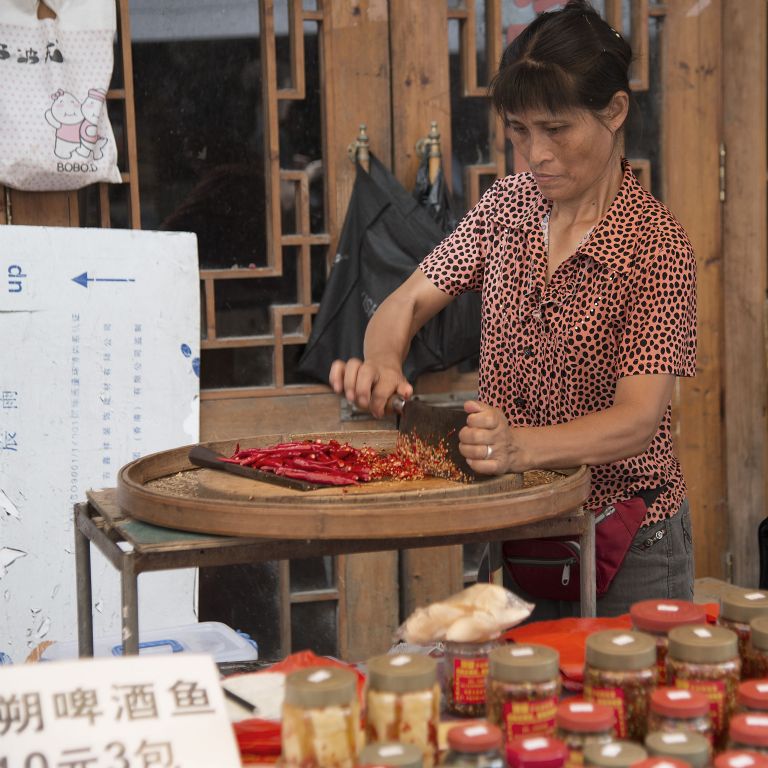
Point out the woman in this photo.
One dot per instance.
(589, 308)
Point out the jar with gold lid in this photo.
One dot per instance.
(523, 689)
(617, 754)
(620, 673)
(391, 754)
(321, 719)
(403, 702)
(657, 617)
(738, 607)
(692, 748)
(756, 654)
(661, 762)
(580, 723)
(706, 659)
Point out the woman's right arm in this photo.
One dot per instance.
(370, 383)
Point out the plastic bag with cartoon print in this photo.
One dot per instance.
(54, 130)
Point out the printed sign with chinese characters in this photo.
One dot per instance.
(101, 338)
(133, 712)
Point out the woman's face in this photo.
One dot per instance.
(567, 152)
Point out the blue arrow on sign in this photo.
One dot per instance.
(84, 280)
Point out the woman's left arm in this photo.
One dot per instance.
(623, 430)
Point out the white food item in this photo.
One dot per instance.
(472, 629)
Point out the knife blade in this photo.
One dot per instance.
(437, 427)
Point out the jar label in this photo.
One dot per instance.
(522, 718)
(613, 698)
(714, 690)
(469, 677)
(575, 758)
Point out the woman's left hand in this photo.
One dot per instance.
(487, 441)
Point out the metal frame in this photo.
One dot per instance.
(99, 521)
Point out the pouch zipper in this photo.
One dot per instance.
(565, 562)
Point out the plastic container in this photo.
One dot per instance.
(692, 748)
(678, 709)
(391, 753)
(320, 719)
(211, 637)
(466, 671)
(737, 609)
(752, 696)
(536, 752)
(617, 754)
(749, 731)
(620, 672)
(657, 617)
(706, 659)
(661, 762)
(580, 723)
(740, 758)
(403, 702)
(475, 745)
(523, 689)
(756, 657)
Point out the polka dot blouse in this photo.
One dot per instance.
(623, 304)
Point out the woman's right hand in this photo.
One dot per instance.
(367, 384)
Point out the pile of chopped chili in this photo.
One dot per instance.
(335, 463)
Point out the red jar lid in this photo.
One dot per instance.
(584, 716)
(536, 752)
(663, 762)
(474, 737)
(750, 729)
(679, 702)
(753, 694)
(662, 615)
(740, 758)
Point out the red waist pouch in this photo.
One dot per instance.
(549, 568)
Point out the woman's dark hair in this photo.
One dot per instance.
(563, 59)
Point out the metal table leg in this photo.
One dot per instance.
(84, 587)
(130, 600)
(587, 585)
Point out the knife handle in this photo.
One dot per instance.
(395, 404)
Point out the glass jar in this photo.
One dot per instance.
(321, 719)
(677, 709)
(740, 758)
(661, 762)
(706, 659)
(737, 609)
(752, 696)
(391, 753)
(580, 723)
(476, 745)
(466, 671)
(523, 689)
(756, 655)
(657, 617)
(617, 754)
(620, 672)
(692, 748)
(749, 731)
(403, 702)
(536, 752)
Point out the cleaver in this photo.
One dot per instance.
(435, 425)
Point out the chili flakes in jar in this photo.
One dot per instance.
(756, 655)
(617, 754)
(466, 673)
(737, 609)
(580, 723)
(749, 731)
(692, 748)
(677, 709)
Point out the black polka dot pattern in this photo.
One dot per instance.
(623, 304)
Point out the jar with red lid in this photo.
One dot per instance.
(580, 723)
(617, 754)
(679, 709)
(536, 752)
(661, 762)
(749, 731)
(475, 745)
(657, 617)
(756, 655)
(738, 607)
(752, 696)
(740, 758)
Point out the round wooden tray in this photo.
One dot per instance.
(166, 489)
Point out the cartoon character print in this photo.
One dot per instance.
(90, 141)
(65, 115)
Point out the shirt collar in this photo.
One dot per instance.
(611, 242)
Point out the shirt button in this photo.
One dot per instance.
(528, 351)
(519, 402)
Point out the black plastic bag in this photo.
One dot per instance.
(386, 234)
(434, 196)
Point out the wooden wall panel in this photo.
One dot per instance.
(691, 132)
(49, 209)
(744, 273)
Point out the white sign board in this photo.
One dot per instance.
(100, 366)
(133, 712)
